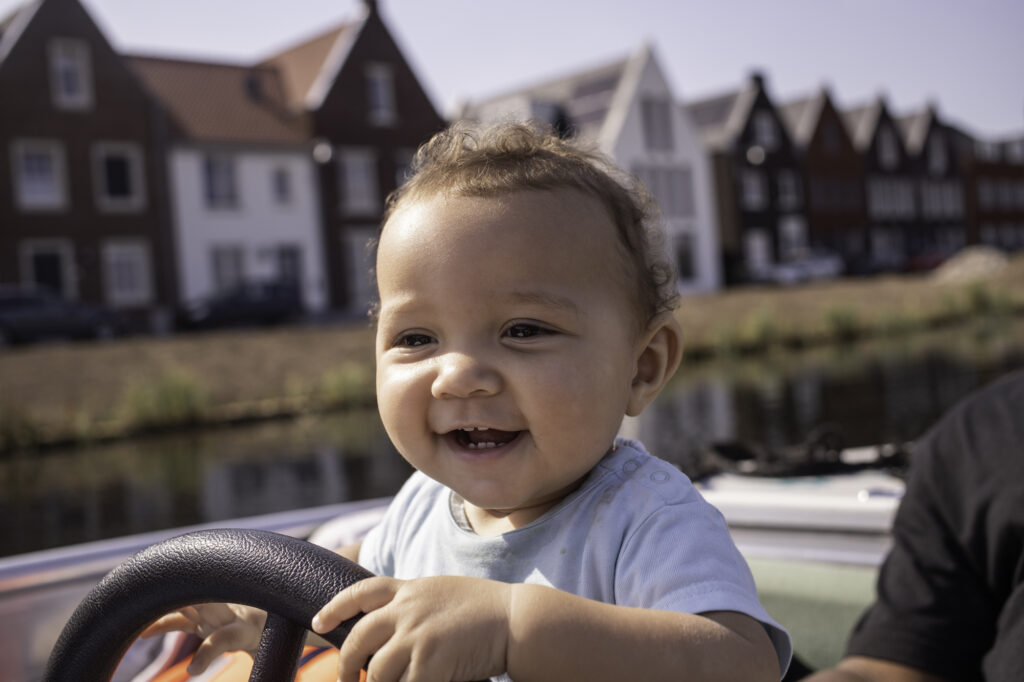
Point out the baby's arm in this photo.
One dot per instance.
(468, 628)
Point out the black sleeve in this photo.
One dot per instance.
(950, 594)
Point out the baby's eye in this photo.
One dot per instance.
(413, 340)
(525, 330)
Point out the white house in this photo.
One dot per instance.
(629, 110)
(241, 178)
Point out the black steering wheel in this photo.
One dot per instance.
(288, 578)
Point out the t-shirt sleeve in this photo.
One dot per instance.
(681, 558)
(377, 553)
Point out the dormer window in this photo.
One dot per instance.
(380, 95)
(766, 133)
(70, 74)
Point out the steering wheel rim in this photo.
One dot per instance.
(289, 578)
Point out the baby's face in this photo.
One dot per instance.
(506, 344)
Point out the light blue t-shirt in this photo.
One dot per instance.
(635, 533)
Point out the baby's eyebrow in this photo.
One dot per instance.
(545, 299)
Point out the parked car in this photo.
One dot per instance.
(251, 303)
(30, 314)
(815, 265)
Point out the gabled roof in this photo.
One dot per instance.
(915, 128)
(13, 24)
(801, 116)
(216, 102)
(720, 119)
(862, 122)
(585, 98)
(309, 68)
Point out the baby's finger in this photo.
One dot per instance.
(370, 637)
(230, 638)
(362, 597)
(172, 622)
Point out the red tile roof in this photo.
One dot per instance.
(214, 102)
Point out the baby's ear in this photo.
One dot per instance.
(659, 351)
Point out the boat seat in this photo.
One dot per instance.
(817, 602)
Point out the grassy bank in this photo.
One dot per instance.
(64, 393)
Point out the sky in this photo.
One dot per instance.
(967, 57)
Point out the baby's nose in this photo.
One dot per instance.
(463, 375)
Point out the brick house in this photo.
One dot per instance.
(82, 205)
(759, 185)
(367, 115)
(833, 171)
(889, 186)
(937, 160)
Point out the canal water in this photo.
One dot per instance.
(870, 393)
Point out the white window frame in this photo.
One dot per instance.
(357, 181)
(28, 198)
(68, 55)
(132, 153)
(766, 132)
(380, 94)
(753, 189)
(64, 249)
(127, 272)
(220, 181)
(757, 250)
(790, 194)
(792, 238)
(282, 187)
(230, 255)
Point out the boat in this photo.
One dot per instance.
(814, 543)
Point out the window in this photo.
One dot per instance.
(49, 263)
(289, 263)
(39, 175)
(766, 132)
(219, 184)
(790, 195)
(792, 238)
(986, 194)
(118, 176)
(281, 185)
(380, 95)
(672, 188)
(657, 124)
(753, 192)
(228, 267)
(888, 150)
(757, 250)
(70, 74)
(359, 192)
(127, 273)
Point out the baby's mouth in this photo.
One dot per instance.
(481, 438)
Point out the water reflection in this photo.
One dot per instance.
(875, 392)
(872, 393)
(64, 497)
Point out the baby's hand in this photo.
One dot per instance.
(223, 627)
(443, 628)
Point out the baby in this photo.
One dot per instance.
(525, 307)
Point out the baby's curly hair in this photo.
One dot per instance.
(467, 160)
